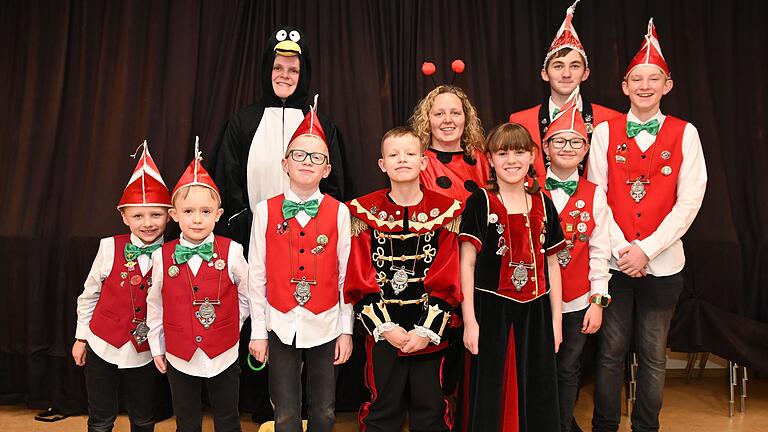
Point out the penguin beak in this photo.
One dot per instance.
(288, 48)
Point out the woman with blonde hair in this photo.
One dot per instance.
(449, 129)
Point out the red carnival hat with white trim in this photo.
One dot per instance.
(567, 37)
(650, 53)
(146, 187)
(196, 175)
(568, 119)
(311, 126)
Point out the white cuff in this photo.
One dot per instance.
(387, 326)
(427, 333)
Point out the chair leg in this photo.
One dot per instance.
(743, 397)
(732, 382)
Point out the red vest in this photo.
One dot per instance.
(517, 239)
(184, 333)
(294, 246)
(530, 120)
(112, 318)
(575, 275)
(638, 220)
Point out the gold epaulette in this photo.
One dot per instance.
(357, 226)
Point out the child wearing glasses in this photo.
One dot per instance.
(297, 262)
(584, 218)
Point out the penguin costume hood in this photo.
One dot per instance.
(288, 42)
(245, 162)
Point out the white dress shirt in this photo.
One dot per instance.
(125, 356)
(200, 364)
(663, 246)
(308, 329)
(599, 242)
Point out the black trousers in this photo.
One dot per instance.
(569, 366)
(223, 391)
(101, 382)
(285, 364)
(403, 383)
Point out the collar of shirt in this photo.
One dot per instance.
(145, 261)
(301, 217)
(195, 261)
(553, 107)
(559, 197)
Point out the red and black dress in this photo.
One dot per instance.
(403, 271)
(454, 174)
(511, 385)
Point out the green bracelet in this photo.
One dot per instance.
(250, 364)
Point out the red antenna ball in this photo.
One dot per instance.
(428, 68)
(457, 66)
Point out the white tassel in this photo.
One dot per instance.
(572, 8)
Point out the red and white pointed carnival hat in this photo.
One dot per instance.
(567, 37)
(146, 186)
(196, 175)
(311, 126)
(650, 53)
(568, 119)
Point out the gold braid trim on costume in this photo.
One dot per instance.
(453, 225)
(357, 226)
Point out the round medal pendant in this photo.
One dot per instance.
(580, 204)
(581, 227)
(583, 237)
(135, 280)
(666, 170)
(206, 314)
(422, 217)
(520, 276)
(493, 218)
(666, 155)
(383, 215)
(584, 216)
(219, 264)
(542, 238)
(123, 275)
(435, 212)
(140, 332)
(303, 292)
(399, 281)
(173, 271)
(563, 257)
(322, 239)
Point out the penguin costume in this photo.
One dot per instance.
(245, 161)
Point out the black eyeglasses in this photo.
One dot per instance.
(559, 143)
(301, 156)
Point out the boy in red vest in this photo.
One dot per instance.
(197, 306)
(585, 220)
(111, 335)
(403, 279)
(565, 68)
(298, 257)
(652, 169)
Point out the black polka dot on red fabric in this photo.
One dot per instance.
(471, 186)
(444, 157)
(444, 182)
(469, 160)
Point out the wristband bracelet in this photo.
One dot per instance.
(602, 300)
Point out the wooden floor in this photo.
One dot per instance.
(698, 406)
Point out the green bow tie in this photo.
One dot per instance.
(652, 127)
(132, 252)
(568, 186)
(182, 253)
(554, 113)
(290, 208)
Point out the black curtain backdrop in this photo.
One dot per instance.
(84, 82)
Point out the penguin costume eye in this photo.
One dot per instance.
(295, 36)
(281, 35)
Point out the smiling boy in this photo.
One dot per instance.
(403, 282)
(298, 256)
(652, 168)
